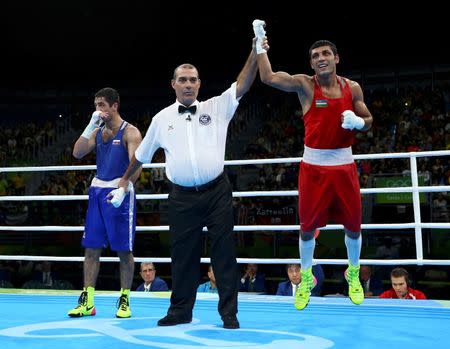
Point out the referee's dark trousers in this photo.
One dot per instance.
(190, 209)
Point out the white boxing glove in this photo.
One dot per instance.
(352, 121)
(93, 124)
(260, 33)
(116, 197)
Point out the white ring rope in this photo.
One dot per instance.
(415, 189)
(237, 162)
(239, 260)
(238, 227)
(236, 194)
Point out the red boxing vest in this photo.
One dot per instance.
(323, 120)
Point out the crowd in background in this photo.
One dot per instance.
(49, 275)
(413, 119)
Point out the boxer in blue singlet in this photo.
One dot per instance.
(115, 143)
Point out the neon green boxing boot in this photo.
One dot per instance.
(304, 291)
(123, 304)
(355, 290)
(85, 305)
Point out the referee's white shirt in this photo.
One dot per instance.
(195, 149)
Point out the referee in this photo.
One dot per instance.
(193, 135)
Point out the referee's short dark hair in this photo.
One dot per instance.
(183, 66)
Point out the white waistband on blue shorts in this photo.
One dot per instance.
(108, 184)
(328, 157)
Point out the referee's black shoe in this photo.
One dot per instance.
(171, 320)
(230, 322)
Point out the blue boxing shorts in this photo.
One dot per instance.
(106, 224)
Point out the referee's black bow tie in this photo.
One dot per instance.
(182, 109)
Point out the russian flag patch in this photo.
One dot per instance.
(116, 142)
(321, 103)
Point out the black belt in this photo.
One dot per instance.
(202, 187)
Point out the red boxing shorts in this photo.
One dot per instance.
(329, 193)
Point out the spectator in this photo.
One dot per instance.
(6, 272)
(3, 184)
(209, 286)
(372, 285)
(289, 287)
(152, 283)
(44, 277)
(401, 287)
(24, 271)
(157, 175)
(440, 208)
(387, 250)
(252, 280)
(44, 274)
(6, 284)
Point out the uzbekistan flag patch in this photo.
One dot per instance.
(321, 103)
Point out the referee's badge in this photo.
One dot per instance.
(204, 119)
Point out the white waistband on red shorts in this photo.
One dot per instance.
(328, 157)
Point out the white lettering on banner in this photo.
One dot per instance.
(157, 337)
(275, 212)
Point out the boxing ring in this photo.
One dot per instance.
(36, 318)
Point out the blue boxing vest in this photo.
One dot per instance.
(112, 156)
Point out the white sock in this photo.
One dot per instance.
(306, 252)
(353, 249)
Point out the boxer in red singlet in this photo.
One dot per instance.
(333, 109)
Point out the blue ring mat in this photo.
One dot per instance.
(38, 319)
